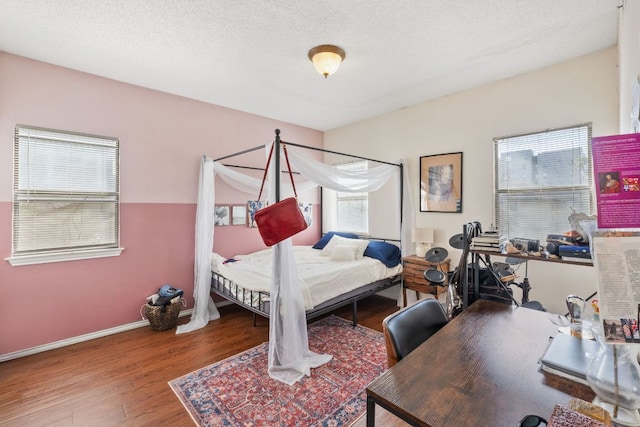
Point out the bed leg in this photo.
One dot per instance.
(355, 314)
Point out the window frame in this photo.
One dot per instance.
(73, 141)
(546, 190)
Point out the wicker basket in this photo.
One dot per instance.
(162, 318)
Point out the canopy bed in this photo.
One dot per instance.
(288, 299)
(328, 281)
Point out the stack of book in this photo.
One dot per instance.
(491, 241)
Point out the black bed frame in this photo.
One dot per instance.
(260, 300)
(260, 305)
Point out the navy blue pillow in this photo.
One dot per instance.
(325, 239)
(388, 253)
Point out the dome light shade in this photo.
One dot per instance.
(326, 58)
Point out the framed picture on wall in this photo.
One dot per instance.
(307, 211)
(253, 206)
(238, 215)
(441, 183)
(221, 215)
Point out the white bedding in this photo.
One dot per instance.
(321, 277)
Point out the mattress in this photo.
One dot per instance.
(321, 278)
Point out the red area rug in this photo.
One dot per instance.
(239, 392)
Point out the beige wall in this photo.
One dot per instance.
(629, 54)
(574, 92)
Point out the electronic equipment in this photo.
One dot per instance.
(525, 245)
(457, 241)
(574, 251)
(435, 256)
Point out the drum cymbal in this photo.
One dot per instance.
(436, 255)
(457, 241)
(434, 276)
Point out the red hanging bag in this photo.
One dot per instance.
(282, 219)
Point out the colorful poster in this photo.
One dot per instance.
(616, 168)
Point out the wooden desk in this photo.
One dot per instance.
(480, 369)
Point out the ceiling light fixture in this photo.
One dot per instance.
(326, 58)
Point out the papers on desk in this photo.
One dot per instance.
(569, 357)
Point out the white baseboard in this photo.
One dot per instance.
(81, 338)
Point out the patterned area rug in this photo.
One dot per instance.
(239, 392)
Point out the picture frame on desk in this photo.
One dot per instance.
(441, 183)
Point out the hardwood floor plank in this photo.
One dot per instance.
(122, 379)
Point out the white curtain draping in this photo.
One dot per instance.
(251, 185)
(204, 308)
(408, 216)
(408, 224)
(347, 181)
(289, 355)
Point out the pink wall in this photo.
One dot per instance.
(162, 139)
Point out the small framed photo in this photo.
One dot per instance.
(239, 215)
(253, 206)
(441, 183)
(221, 215)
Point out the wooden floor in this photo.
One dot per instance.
(121, 380)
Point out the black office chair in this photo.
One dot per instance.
(406, 329)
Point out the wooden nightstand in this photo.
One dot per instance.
(413, 268)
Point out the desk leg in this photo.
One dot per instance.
(371, 412)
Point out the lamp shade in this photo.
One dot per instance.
(423, 238)
(423, 235)
(326, 59)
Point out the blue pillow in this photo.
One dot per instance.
(325, 239)
(387, 253)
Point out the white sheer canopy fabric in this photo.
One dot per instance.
(251, 185)
(204, 308)
(289, 355)
(347, 181)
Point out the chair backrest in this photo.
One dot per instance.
(406, 329)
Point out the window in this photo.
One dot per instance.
(66, 196)
(352, 209)
(539, 178)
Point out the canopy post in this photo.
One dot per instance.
(276, 160)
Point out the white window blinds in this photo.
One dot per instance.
(66, 192)
(352, 208)
(539, 177)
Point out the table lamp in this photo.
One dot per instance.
(423, 238)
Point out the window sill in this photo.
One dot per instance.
(63, 256)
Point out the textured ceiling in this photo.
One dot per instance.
(251, 55)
